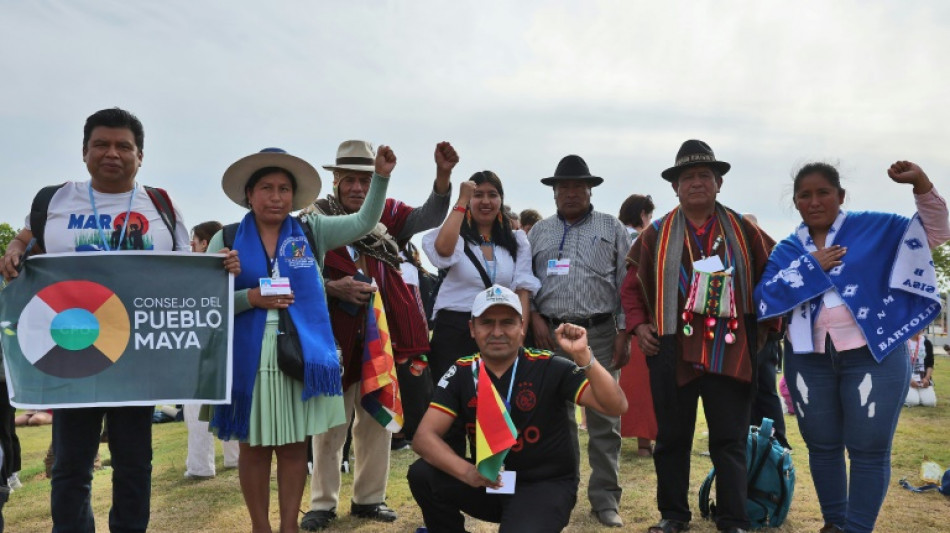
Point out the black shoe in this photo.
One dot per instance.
(317, 520)
(400, 444)
(668, 525)
(376, 511)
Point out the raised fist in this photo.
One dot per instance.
(385, 161)
(445, 156)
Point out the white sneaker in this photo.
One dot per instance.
(14, 481)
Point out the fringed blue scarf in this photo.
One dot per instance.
(309, 311)
(886, 280)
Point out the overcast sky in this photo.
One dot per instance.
(514, 86)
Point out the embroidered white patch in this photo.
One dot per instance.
(863, 313)
(865, 389)
(444, 382)
(850, 290)
(802, 388)
(762, 307)
(836, 270)
(791, 276)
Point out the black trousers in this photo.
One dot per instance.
(726, 404)
(767, 402)
(535, 507)
(76, 434)
(416, 392)
(9, 446)
(8, 439)
(451, 339)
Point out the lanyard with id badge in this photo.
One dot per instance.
(711, 291)
(508, 477)
(274, 285)
(562, 265)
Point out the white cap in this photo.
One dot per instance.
(495, 295)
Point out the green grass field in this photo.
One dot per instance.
(184, 506)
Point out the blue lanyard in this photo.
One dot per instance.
(567, 227)
(511, 384)
(125, 223)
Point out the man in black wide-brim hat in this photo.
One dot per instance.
(578, 254)
(698, 343)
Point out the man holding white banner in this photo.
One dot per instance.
(110, 212)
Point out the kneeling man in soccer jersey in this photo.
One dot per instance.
(508, 401)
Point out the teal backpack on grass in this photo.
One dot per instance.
(771, 476)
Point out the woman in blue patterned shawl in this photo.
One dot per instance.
(271, 413)
(854, 286)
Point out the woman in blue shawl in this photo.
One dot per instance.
(854, 286)
(270, 412)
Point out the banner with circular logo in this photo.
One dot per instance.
(118, 328)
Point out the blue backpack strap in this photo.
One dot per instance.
(705, 507)
(761, 448)
(759, 455)
(765, 429)
(923, 488)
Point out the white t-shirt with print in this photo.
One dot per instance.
(71, 225)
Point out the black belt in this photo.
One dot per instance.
(588, 322)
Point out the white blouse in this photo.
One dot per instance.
(410, 274)
(463, 281)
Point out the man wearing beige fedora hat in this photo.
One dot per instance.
(353, 274)
(578, 254)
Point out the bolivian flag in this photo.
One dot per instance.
(495, 433)
(379, 389)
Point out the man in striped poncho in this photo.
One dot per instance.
(688, 299)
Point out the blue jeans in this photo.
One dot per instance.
(75, 442)
(847, 400)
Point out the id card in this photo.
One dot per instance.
(559, 267)
(507, 483)
(710, 264)
(275, 286)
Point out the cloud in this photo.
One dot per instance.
(515, 86)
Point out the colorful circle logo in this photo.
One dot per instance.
(74, 329)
